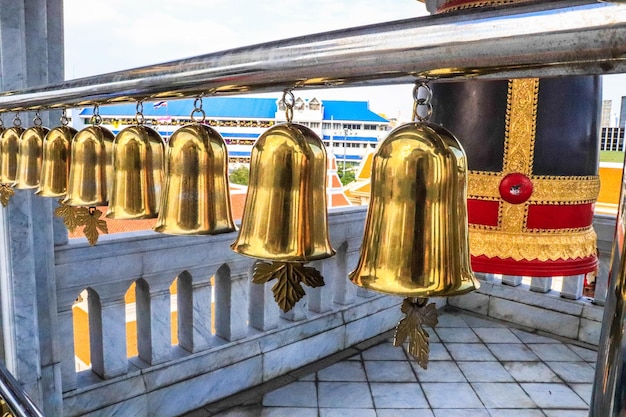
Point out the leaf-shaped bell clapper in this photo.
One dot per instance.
(9, 151)
(285, 215)
(196, 197)
(137, 174)
(29, 157)
(55, 165)
(415, 242)
(91, 167)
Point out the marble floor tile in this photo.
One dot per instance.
(588, 355)
(343, 371)
(438, 352)
(404, 412)
(391, 395)
(389, 371)
(442, 412)
(458, 395)
(575, 372)
(484, 372)
(475, 322)
(344, 395)
(457, 335)
(584, 391)
(296, 394)
(384, 352)
(287, 412)
(496, 335)
(528, 337)
(531, 372)
(346, 412)
(469, 352)
(553, 396)
(566, 413)
(451, 320)
(554, 352)
(439, 371)
(520, 412)
(502, 395)
(512, 352)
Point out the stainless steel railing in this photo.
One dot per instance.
(13, 401)
(539, 39)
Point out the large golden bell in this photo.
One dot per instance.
(91, 167)
(9, 150)
(55, 165)
(196, 197)
(29, 157)
(284, 217)
(416, 235)
(137, 174)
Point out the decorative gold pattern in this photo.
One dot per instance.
(289, 275)
(6, 193)
(521, 121)
(89, 217)
(531, 246)
(411, 327)
(476, 4)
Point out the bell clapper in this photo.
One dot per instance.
(417, 314)
(290, 276)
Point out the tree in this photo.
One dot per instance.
(240, 175)
(346, 177)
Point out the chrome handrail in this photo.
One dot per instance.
(535, 40)
(13, 394)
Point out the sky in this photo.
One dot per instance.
(111, 35)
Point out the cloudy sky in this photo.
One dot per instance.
(110, 35)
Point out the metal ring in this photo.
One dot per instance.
(197, 103)
(197, 110)
(17, 122)
(288, 100)
(64, 120)
(1, 123)
(96, 119)
(37, 120)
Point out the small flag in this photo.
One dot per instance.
(160, 104)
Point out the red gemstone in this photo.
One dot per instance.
(516, 188)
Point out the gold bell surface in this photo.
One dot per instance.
(9, 150)
(29, 157)
(91, 168)
(196, 197)
(137, 174)
(55, 164)
(284, 217)
(416, 235)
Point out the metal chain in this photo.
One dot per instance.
(37, 120)
(64, 120)
(96, 119)
(289, 101)
(139, 117)
(17, 122)
(197, 108)
(422, 95)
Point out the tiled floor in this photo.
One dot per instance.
(478, 368)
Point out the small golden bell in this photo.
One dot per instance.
(137, 174)
(196, 197)
(29, 157)
(9, 150)
(55, 165)
(91, 168)
(284, 218)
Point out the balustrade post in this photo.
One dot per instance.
(511, 280)
(320, 299)
(345, 261)
(573, 287)
(194, 292)
(541, 284)
(66, 342)
(107, 334)
(153, 312)
(263, 310)
(231, 301)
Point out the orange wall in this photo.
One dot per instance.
(610, 179)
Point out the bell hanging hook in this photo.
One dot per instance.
(289, 101)
(422, 99)
(197, 108)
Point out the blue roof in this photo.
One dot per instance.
(239, 108)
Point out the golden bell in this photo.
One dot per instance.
(29, 157)
(55, 165)
(137, 174)
(196, 197)
(416, 235)
(284, 218)
(91, 167)
(9, 150)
